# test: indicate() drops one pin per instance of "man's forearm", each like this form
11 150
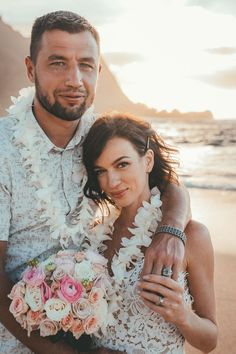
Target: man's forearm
176 206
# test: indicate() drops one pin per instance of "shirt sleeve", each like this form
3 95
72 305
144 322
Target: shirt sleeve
5 200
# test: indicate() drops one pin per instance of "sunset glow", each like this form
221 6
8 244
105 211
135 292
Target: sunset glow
166 54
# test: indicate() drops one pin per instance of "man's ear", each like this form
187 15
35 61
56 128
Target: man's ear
149 156
30 69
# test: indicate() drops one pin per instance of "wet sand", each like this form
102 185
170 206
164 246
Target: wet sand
217 210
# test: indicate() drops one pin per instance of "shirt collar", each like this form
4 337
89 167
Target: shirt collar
84 125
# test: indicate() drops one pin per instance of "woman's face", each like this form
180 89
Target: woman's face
123 174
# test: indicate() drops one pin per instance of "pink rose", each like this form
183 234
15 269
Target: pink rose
34 318
77 328
48 327
18 306
90 325
46 292
17 290
33 276
95 295
70 290
67 322
82 308
59 273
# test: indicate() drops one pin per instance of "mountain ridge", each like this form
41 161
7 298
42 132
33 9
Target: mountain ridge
14 48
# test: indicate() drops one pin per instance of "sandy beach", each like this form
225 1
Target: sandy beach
217 210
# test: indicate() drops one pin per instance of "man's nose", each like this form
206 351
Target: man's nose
74 77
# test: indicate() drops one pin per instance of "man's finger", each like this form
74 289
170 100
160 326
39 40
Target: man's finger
176 268
157 268
147 266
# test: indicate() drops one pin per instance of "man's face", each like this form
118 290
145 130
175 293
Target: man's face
65 73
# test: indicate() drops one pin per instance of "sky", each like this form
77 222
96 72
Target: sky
168 54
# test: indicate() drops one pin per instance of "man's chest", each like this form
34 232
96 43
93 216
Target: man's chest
56 180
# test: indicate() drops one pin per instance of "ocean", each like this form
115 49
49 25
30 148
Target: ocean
207 151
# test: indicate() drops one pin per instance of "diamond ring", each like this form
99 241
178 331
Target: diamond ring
166 272
160 300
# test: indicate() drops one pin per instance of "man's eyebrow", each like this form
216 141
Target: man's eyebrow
56 57
61 57
87 59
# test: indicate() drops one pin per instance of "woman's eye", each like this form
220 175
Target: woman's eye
122 164
98 172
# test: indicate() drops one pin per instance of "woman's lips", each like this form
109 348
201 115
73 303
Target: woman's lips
119 194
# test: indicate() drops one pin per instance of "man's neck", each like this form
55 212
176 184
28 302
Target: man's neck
60 132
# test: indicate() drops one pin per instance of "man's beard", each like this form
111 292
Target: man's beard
56 109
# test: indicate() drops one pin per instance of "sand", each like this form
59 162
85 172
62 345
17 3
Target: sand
217 210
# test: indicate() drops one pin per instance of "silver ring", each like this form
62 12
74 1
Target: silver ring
160 300
166 272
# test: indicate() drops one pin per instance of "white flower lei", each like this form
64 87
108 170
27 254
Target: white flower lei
32 150
145 224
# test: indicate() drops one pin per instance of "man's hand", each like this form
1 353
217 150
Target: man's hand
165 251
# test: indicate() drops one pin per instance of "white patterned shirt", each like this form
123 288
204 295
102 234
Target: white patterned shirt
20 222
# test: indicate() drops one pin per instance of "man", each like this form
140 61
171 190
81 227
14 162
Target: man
41 174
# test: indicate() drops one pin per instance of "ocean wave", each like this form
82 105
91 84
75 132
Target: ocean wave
212 186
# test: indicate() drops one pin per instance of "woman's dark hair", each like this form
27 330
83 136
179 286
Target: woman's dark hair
142 136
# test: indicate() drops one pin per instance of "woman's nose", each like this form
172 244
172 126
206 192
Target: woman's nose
113 179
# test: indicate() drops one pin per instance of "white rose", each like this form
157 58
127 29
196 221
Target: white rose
56 309
101 312
83 270
33 298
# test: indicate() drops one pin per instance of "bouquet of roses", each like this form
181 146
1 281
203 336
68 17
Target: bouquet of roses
70 292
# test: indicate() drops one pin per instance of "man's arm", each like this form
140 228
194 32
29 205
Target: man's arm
165 249
37 344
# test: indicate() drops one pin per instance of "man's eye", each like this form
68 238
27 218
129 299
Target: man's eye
58 63
86 66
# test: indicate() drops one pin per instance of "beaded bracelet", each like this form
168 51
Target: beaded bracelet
172 231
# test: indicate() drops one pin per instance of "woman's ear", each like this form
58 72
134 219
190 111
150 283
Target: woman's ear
149 157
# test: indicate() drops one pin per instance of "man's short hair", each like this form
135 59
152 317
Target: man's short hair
59 20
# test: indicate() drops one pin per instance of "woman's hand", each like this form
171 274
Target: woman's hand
164 296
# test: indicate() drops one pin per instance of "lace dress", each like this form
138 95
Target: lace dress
139 330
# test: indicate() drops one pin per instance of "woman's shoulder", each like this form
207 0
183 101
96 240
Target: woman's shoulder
198 245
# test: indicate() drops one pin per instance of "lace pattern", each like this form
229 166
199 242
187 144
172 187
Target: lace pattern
137 329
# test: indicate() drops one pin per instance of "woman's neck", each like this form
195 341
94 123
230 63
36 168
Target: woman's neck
127 214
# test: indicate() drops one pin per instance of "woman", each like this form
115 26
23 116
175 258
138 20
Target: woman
127 165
